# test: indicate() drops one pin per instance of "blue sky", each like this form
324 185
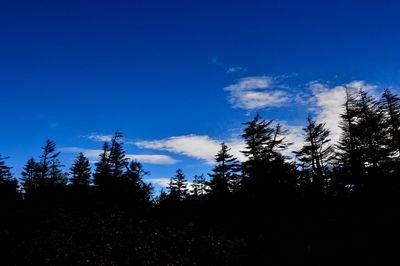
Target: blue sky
177 77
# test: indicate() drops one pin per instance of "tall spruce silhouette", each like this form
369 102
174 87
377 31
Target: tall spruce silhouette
266 167
178 186
199 186
390 104
50 166
80 172
316 153
225 176
31 177
8 184
349 146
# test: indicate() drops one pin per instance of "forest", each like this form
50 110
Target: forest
327 204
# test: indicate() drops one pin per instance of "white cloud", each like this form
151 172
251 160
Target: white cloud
161 181
295 136
100 138
235 69
256 92
144 158
200 147
329 102
152 158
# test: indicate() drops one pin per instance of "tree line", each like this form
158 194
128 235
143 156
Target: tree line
326 203
364 162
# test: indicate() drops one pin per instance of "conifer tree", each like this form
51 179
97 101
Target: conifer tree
117 159
31 176
266 166
8 184
133 182
102 175
225 177
80 172
199 186
348 147
316 152
178 186
50 166
390 105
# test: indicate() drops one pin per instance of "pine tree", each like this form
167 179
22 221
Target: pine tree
199 186
225 177
8 184
80 172
390 105
5 171
31 176
134 184
117 159
102 175
178 186
258 135
50 166
266 166
316 153
348 147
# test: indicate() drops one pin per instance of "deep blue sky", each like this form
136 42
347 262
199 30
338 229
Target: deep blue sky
158 69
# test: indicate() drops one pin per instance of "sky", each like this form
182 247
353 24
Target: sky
179 77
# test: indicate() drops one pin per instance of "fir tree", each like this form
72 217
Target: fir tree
199 186
80 172
178 186
8 184
31 176
316 153
102 175
50 166
225 177
390 105
117 159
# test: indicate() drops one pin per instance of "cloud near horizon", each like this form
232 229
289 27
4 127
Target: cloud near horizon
200 147
143 158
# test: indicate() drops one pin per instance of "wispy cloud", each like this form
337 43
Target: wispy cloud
228 69
236 69
256 92
99 137
200 147
329 102
144 158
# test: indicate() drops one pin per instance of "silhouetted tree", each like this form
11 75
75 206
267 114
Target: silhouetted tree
178 186
117 159
225 176
266 166
80 172
102 174
349 146
50 166
390 104
31 177
199 186
133 181
316 153
8 184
